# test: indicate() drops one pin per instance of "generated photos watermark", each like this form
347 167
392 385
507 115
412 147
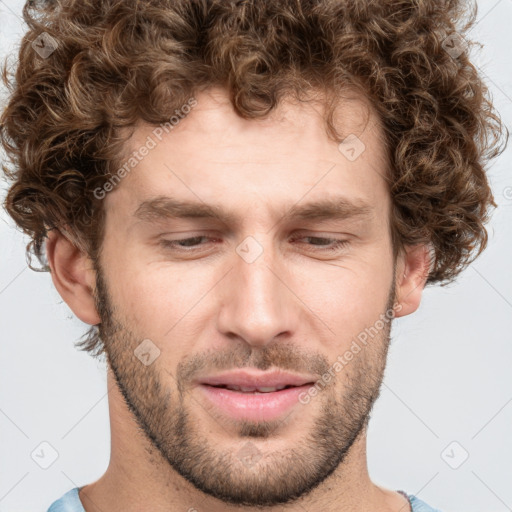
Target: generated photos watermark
343 359
151 143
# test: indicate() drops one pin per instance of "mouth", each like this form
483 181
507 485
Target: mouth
255 390
250 403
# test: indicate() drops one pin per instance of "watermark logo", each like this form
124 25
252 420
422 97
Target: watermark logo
454 45
352 147
249 249
147 352
249 454
455 455
44 455
44 44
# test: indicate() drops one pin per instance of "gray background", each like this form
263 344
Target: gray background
448 378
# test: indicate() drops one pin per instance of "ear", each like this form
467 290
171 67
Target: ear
412 272
73 275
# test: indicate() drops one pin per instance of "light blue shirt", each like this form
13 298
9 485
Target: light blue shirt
70 502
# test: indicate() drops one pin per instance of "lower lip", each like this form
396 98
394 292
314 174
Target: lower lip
252 406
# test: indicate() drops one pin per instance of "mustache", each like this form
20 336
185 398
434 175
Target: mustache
280 355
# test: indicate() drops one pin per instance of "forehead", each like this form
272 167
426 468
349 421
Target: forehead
213 153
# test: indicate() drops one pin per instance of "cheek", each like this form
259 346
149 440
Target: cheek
157 301
349 298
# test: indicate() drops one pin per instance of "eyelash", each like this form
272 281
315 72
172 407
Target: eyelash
336 243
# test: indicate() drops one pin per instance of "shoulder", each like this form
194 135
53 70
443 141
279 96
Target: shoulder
69 502
420 506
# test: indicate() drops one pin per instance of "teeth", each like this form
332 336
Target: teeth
259 389
233 388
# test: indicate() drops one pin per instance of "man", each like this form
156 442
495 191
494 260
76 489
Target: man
239 197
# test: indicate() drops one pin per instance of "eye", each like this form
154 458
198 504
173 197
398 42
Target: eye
183 243
325 244
319 244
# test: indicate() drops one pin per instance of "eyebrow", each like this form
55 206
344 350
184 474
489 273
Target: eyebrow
163 207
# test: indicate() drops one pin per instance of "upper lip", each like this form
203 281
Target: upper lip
251 378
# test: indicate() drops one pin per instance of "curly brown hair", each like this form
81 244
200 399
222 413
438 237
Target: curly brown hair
117 62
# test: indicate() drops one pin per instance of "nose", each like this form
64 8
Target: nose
257 303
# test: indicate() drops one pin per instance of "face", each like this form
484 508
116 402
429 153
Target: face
275 269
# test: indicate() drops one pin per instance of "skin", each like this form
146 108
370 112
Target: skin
298 306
